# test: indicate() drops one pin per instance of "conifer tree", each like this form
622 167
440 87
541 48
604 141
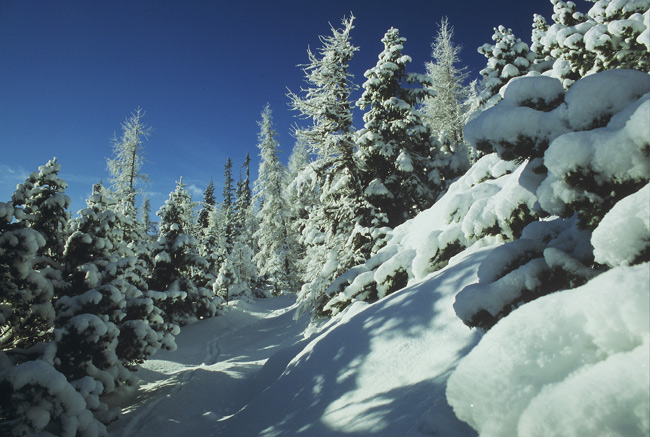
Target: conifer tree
42 204
508 57
148 225
208 205
274 258
339 230
26 311
177 261
227 218
395 145
448 108
301 193
127 160
609 36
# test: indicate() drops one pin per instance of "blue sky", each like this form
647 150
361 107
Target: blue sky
72 71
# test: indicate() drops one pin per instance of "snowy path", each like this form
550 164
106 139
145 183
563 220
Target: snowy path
377 369
214 372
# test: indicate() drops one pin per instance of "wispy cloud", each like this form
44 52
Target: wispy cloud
195 191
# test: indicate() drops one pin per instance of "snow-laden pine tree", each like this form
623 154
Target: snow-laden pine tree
612 34
41 203
177 261
396 145
275 258
207 206
227 212
302 196
128 157
448 109
92 304
148 225
245 221
508 57
339 231
26 312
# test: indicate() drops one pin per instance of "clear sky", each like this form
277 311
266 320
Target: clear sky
72 71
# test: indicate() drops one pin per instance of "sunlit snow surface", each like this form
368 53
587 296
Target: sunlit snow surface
376 369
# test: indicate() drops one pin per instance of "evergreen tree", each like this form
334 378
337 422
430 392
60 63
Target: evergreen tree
227 218
301 193
448 108
340 228
609 36
508 57
209 203
177 261
127 160
26 312
274 237
41 203
148 225
395 144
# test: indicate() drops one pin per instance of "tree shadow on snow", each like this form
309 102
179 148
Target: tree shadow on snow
323 392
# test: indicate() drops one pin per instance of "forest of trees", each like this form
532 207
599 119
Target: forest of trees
85 300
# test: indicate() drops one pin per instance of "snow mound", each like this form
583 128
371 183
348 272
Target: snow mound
570 363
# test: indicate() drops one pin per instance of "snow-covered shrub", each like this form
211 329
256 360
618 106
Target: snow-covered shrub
493 201
524 123
568 364
589 171
550 255
36 398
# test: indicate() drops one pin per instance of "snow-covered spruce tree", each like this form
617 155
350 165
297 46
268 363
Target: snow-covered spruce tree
227 212
302 195
207 206
105 280
245 221
33 395
208 238
41 203
448 109
26 312
340 230
396 146
275 258
92 304
612 34
177 262
149 226
508 57
124 167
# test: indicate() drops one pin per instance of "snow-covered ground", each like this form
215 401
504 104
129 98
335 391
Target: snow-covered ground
378 369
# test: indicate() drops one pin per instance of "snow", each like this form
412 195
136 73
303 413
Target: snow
602 95
570 363
373 370
632 214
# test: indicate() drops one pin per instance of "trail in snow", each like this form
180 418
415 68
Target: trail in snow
214 372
